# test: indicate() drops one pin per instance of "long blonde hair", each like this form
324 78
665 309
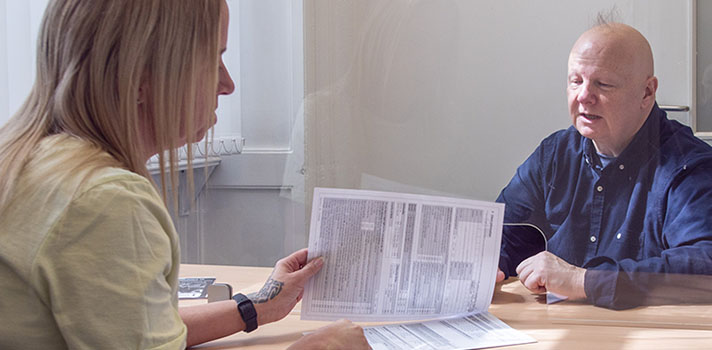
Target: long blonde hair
92 58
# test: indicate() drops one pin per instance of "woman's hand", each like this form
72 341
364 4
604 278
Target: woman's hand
285 286
341 334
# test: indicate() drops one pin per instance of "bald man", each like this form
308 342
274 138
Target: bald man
624 196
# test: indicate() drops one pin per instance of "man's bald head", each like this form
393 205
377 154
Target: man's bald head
619 42
611 86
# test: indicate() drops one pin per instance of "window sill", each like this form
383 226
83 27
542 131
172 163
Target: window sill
199 163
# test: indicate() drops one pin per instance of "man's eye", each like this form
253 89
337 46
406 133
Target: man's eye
604 85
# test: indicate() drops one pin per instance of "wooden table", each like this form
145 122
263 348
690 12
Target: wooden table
567 325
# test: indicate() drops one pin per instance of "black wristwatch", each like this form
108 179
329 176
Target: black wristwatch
247 311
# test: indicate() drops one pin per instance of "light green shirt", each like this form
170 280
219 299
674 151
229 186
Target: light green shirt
95 268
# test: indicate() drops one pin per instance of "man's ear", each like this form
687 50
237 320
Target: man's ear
651 86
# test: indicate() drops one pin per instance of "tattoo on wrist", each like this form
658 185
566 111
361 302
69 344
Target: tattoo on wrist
268 292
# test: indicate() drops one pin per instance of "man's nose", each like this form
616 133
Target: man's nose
586 95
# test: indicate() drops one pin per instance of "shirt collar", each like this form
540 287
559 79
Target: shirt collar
645 143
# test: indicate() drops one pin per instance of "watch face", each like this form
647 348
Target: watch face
247 311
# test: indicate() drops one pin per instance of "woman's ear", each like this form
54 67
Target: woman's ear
144 88
141 94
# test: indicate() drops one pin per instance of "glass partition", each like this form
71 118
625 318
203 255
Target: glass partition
450 97
704 68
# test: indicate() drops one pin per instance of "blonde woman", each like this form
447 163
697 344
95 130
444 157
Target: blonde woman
89 256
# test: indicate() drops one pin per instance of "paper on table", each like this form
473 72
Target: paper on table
470 332
194 287
391 256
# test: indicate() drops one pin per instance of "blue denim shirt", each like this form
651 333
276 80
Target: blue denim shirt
645 214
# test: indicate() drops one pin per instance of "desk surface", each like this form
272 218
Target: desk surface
567 325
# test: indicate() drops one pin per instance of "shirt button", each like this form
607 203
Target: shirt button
593 239
621 167
618 236
599 188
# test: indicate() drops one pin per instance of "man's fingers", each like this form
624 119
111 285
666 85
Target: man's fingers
523 272
534 283
537 290
500 276
530 278
522 265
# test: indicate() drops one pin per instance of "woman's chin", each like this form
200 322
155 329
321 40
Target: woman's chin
199 135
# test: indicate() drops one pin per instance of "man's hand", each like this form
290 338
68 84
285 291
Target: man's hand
284 287
341 334
500 276
547 272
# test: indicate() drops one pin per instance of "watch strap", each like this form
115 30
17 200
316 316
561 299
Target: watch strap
247 311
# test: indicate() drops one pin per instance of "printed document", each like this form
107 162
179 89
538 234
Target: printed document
396 257
476 331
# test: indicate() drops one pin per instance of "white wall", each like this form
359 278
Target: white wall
19 24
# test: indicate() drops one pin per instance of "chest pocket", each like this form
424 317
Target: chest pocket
626 244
